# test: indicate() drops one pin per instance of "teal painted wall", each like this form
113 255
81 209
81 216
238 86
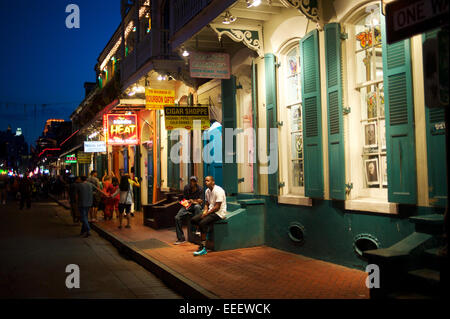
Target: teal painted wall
330 230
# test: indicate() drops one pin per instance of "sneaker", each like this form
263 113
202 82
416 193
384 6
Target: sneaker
179 242
201 252
198 233
132 214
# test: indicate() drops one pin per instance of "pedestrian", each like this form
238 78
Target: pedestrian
96 195
126 198
112 203
84 203
192 206
3 188
73 199
25 189
215 209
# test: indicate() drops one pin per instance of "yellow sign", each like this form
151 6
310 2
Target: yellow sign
184 117
84 158
156 99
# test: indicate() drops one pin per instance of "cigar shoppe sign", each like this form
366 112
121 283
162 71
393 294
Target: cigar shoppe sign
121 129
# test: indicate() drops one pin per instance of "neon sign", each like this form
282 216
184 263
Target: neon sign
71 159
122 129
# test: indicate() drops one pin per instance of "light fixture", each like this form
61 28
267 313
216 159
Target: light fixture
185 53
228 18
253 3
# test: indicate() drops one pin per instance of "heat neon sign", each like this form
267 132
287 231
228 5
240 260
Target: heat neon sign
122 129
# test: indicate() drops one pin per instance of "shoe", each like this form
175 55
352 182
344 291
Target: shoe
120 227
178 242
201 252
86 235
127 226
132 214
198 233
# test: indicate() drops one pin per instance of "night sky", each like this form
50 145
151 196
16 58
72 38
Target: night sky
43 62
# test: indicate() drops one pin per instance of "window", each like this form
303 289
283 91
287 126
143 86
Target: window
366 137
291 114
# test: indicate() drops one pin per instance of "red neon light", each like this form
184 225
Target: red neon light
69 137
122 129
49 149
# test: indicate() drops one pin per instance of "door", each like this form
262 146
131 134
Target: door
150 173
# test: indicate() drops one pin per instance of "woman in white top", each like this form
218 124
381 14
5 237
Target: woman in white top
126 198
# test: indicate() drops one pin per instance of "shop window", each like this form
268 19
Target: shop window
366 135
291 114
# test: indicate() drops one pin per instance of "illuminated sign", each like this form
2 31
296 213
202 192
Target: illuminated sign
122 129
210 65
94 146
71 159
184 117
157 99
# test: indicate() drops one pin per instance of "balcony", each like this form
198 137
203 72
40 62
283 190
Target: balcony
184 11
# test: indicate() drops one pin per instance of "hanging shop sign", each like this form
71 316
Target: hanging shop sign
121 129
94 146
71 159
184 117
210 65
405 18
84 158
156 99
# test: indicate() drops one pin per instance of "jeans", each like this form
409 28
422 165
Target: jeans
84 219
203 223
182 213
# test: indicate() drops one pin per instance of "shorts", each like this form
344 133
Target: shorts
124 208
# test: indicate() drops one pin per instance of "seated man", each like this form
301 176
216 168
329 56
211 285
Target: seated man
193 194
215 209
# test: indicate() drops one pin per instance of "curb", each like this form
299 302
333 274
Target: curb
184 286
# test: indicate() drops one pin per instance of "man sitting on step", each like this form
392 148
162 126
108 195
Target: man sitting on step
193 198
215 209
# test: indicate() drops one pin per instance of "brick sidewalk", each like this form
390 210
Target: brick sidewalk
259 272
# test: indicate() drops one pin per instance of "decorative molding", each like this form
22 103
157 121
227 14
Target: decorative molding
310 8
249 35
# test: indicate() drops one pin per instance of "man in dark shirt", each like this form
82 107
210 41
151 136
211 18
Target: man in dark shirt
194 195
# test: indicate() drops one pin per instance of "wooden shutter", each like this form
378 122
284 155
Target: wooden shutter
437 170
336 152
230 176
271 113
399 110
254 111
312 126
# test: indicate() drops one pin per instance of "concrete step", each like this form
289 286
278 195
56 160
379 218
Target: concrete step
425 280
232 206
429 224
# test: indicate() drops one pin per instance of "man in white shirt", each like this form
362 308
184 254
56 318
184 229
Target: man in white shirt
215 209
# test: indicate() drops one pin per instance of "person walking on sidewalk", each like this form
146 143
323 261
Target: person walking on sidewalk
96 195
3 188
193 198
112 204
215 209
73 199
126 198
84 202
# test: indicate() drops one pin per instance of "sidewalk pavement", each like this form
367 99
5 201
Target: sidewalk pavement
259 272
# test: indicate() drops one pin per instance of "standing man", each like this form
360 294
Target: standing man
97 197
215 209
194 196
84 202
25 189
73 188
3 188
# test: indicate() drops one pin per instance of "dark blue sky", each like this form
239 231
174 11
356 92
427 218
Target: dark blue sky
41 61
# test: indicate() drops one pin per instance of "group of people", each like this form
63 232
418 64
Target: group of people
22 189
205 208
88 194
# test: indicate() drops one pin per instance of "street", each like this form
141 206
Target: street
37 244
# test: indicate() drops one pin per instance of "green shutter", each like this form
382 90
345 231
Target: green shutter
336 152
271 113
399 110
312 125
254 111
173 169
230 171
437 170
